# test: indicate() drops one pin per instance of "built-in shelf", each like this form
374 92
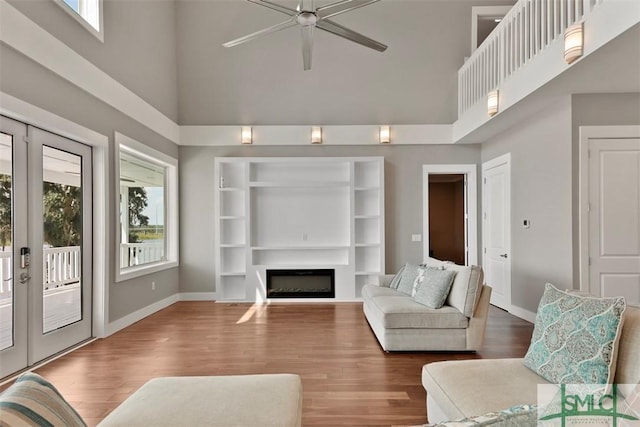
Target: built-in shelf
232 273
296 247
288 213
299 184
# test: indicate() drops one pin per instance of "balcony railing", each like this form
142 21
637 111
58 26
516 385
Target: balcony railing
62 266
132 254
528 28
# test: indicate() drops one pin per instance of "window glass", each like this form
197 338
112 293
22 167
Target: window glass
142 211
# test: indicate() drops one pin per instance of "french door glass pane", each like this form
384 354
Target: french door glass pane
62 224
6 255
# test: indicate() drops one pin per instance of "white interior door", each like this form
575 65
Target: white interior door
614 218
45 211
496 206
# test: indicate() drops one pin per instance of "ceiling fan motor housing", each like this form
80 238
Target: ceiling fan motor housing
307 19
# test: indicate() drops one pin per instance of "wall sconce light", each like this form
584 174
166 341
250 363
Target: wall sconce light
573 40
492 102
316 135
247 135
385 134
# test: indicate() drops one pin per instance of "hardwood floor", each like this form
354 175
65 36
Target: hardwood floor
347 378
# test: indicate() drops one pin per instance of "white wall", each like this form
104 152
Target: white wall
139 48
541 191
403 198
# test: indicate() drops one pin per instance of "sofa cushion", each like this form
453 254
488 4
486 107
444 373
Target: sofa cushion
463 388
466 286
516 416
432 286
234 400
400 311
372 291
34 401
575 338
407 279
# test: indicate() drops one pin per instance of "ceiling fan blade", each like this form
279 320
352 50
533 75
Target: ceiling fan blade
275 6
307 46
348 34
341 7
281 26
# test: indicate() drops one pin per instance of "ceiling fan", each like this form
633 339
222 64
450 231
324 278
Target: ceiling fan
309 18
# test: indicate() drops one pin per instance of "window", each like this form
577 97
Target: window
147 200
86 12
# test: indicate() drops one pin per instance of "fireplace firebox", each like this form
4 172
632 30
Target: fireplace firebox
301 283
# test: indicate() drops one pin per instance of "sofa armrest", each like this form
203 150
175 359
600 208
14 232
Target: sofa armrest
478 322
385 279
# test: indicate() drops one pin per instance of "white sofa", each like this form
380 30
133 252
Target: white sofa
464 388
401 324
269 400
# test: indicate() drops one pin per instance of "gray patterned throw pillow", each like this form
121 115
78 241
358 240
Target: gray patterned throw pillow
432 286
409 273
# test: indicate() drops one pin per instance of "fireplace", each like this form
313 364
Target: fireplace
301 283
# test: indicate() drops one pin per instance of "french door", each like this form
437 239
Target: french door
45 244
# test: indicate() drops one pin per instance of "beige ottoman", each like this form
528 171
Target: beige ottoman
238 400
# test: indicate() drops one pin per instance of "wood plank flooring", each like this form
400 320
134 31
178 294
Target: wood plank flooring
347 379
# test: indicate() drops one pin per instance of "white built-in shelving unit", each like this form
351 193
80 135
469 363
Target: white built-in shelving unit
298 213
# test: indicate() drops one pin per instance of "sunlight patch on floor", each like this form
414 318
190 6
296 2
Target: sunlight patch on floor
255 310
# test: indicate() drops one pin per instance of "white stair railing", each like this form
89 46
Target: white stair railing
528 28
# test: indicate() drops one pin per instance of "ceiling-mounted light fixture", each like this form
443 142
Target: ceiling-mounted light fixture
246 135
385 134
492 102
573 41
316 135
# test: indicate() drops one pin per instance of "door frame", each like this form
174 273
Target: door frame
471 172
22 111
586 134
490 164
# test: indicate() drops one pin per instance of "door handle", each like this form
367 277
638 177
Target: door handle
503 255
24 277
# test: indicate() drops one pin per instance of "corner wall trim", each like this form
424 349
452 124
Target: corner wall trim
138 315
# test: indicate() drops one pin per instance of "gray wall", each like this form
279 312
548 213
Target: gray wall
262 82
541 191
32 83
139 48
595 110
403 198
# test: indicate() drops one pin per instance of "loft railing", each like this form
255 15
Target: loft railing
528 28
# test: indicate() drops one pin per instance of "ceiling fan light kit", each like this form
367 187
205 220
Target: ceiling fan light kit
309 17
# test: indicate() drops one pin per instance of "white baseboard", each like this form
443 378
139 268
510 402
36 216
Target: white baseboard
197 296
527 315
132 318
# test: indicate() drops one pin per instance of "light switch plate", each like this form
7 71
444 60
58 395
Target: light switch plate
416 237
